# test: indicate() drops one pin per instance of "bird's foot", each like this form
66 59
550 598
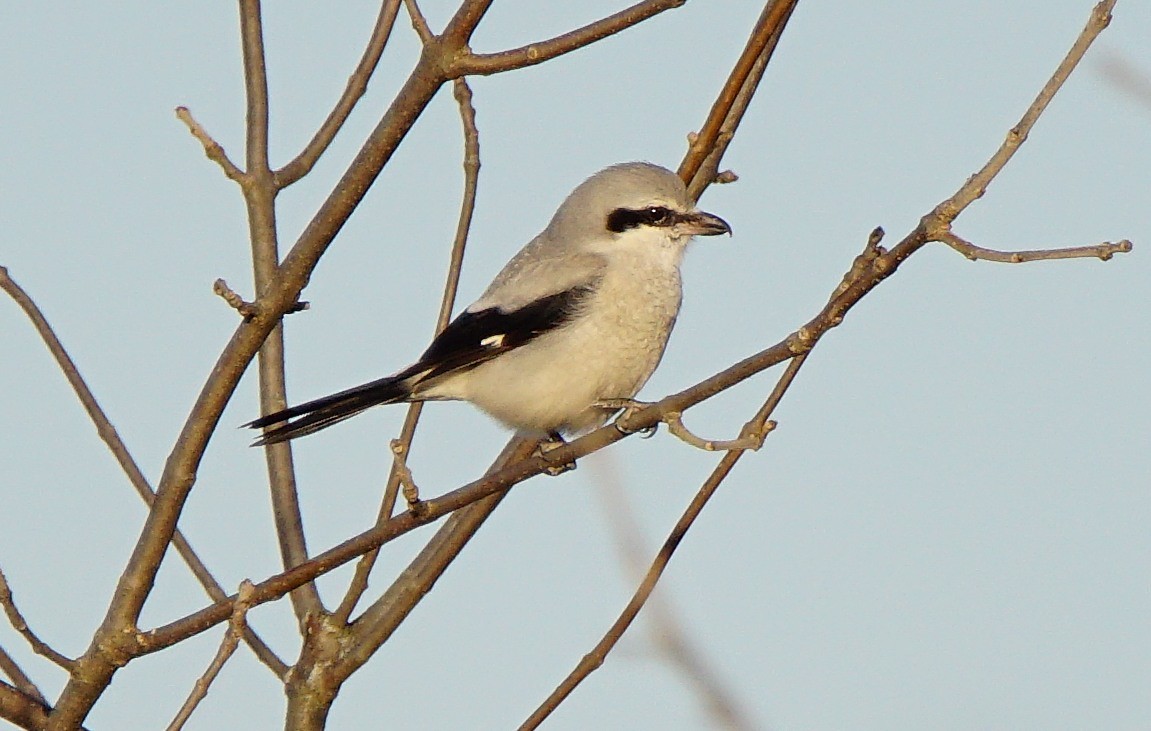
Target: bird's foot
629 406
552 442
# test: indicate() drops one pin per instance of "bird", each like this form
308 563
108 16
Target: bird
574 323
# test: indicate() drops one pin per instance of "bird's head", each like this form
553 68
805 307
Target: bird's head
634 203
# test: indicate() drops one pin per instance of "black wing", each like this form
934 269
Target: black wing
475 337
469 340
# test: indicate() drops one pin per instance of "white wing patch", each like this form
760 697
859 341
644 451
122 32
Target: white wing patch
493 341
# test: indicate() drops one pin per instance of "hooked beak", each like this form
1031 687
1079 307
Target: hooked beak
700 223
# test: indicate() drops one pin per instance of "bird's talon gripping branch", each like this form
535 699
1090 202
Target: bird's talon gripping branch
630 407
554 441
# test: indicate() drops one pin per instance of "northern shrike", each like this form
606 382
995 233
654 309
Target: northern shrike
580 316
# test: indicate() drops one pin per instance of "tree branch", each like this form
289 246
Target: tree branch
868 270
260 198
21 626
22 709
471 164
357 85
699 166
212 149
227 648
594 659
1103 251
22 682
115 444
535 53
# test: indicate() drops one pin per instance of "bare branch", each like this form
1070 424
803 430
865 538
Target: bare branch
671 638
977 184
1103 251
354 90
535 53
750 438
228 644
868 271
594 659
17 621
235 301
260 196
22 709
471 164
111 438
22 682
212 149
699 166
419 22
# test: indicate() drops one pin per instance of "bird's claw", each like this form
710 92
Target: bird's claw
629 406
552 442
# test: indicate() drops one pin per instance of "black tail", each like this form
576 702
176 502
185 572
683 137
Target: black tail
323 412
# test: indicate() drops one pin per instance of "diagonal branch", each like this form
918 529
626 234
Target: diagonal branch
357 85
115 444
536 53
1103 251
699 167
19 678
22 709
594 659
16 619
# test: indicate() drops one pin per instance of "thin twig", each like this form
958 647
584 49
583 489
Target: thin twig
977 184
115 444
234 300
535 53
357 85
419 22
699 166
471 165
1103 251
228 645
595 658
20 680
751 440
17 621
214 150
671 638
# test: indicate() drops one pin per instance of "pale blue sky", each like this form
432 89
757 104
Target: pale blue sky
949 530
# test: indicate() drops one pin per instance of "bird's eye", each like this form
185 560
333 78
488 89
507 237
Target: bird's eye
657 215
621 219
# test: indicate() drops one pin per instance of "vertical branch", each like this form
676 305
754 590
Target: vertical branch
260 196
463 95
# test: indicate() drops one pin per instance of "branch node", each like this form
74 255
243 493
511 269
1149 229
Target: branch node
727 176
407 482
246 309
751 436
554 467
212 149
